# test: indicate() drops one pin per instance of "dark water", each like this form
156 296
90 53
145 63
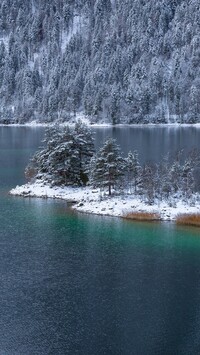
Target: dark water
152 143
78 284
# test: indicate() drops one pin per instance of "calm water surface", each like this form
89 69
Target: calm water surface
78 284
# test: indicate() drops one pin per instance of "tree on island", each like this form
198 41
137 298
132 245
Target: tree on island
66 155
133 170
107 166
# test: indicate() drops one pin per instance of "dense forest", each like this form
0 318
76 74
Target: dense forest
115 61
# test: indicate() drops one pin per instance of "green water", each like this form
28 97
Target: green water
82 284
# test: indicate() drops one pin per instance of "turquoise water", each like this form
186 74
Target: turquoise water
81 284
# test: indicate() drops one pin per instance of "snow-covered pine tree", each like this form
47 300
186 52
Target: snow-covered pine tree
108 166
85 145
148 182
175 175
66 155
188 181
163 187
133 169
82 150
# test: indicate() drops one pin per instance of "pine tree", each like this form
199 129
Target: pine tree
148 182
188 181
133 169
175 174
163 187
107 167
66 155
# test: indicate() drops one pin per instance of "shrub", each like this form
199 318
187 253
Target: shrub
143 216
192 219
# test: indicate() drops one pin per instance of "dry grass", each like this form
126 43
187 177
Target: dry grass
189 219
142 216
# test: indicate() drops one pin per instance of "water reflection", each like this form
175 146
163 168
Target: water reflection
152 143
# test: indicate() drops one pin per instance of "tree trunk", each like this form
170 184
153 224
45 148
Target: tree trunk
109 189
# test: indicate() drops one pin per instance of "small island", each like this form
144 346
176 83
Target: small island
107 183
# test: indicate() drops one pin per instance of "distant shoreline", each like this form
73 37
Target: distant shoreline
84 119
88 200
105 125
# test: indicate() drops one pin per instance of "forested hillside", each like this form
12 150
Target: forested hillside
118 61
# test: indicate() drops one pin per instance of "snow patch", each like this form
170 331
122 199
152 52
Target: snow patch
32 62
5 40
67 35
33 7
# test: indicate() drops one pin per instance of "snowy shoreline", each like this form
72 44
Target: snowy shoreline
35 124
86 120
88 200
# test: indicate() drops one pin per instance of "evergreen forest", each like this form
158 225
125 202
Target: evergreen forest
131 61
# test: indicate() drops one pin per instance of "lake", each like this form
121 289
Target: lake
82 284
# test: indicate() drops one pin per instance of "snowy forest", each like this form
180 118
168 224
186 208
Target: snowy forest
115 61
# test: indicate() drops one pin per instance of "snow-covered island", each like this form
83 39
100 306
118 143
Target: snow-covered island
107 183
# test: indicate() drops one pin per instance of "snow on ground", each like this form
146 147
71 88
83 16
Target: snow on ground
89 200
79 117
88 121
